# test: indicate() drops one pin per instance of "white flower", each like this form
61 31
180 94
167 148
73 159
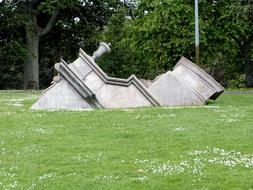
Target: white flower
76 19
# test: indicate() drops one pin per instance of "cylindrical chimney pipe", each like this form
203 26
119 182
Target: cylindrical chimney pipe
103 48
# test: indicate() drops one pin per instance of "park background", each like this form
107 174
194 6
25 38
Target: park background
147 38
193 147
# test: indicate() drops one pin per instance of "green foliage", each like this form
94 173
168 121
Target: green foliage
160 32
79 25
226 27
12 48
120 62
238 82
147 37
153 37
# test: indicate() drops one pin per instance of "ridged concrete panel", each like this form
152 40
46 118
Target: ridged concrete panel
170 91
214 85
113 96
195 81
80 69
94 82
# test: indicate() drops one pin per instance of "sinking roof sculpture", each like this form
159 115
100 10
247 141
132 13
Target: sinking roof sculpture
83 85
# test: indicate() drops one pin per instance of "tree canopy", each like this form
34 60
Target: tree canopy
160 32
50 28
147 37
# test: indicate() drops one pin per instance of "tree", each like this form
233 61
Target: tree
12 49
30 11
160 32
156 35
78 27
227 32
147 37
40 16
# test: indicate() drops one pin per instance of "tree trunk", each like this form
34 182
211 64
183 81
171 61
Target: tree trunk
31 65
249 58
33 34
245 50
31 60
249 72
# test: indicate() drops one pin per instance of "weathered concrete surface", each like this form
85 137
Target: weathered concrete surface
114 96
84 85
187 84
213 87
169 90
61 96
91 85
116 92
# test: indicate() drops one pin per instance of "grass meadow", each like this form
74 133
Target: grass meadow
204 147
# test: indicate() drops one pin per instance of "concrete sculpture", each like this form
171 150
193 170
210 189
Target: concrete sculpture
83 85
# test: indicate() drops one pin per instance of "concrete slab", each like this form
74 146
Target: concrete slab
213 84
60 96
170 91
114 96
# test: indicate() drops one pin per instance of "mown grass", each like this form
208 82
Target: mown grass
207 147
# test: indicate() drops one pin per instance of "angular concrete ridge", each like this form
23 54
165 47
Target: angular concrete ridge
186 85
83 85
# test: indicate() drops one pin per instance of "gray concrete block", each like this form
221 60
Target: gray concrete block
60 96
170 91
80 69
213 84
94 82
196 82
114 96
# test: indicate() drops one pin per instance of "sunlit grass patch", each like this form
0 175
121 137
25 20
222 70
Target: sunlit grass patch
202 147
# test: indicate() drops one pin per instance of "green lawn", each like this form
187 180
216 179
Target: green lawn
207 147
